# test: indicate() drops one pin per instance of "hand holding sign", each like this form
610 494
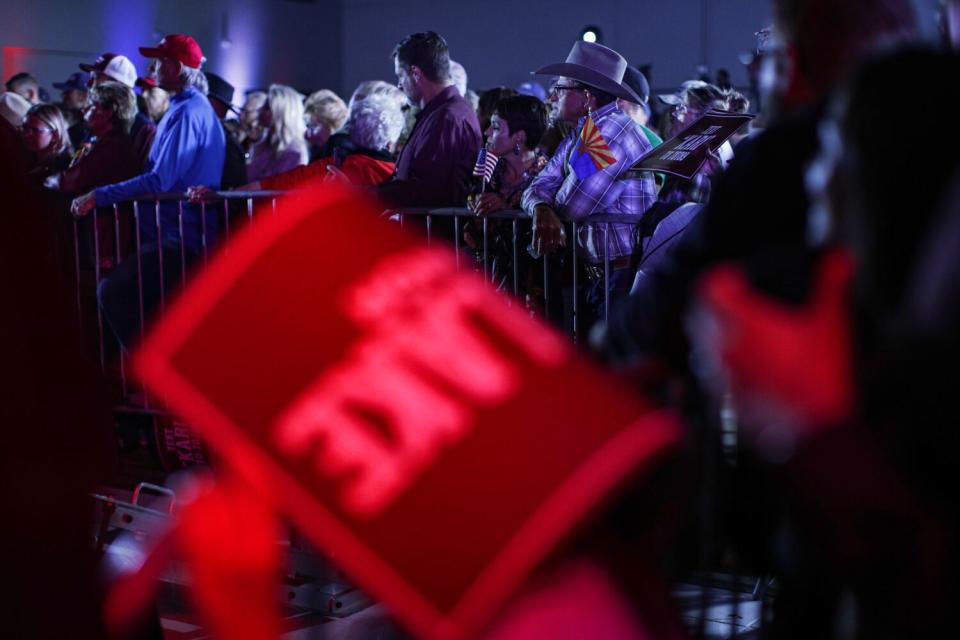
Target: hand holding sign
684 154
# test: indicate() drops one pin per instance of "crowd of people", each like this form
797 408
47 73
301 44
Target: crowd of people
412 144
810 274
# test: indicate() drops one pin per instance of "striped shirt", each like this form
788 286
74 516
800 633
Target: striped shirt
604 192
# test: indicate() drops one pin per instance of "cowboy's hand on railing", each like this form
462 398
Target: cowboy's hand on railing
81 205
548 233
199 194
485 203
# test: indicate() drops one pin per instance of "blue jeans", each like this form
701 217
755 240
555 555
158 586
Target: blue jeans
119 293
590 300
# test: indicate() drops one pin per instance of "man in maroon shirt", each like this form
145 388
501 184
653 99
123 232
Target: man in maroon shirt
435 166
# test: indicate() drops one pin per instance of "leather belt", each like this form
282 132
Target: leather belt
595 271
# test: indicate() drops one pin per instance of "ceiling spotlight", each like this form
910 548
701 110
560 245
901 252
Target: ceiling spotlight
591 34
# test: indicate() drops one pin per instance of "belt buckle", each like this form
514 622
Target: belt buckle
593 271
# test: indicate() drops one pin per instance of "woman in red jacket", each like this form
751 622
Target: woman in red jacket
365 159
375 125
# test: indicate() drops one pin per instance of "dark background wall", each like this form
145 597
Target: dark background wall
250 42
501 41
337 43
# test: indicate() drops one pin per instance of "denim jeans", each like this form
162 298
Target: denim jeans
119 293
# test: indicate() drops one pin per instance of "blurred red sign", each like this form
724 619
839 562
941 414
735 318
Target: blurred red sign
431 438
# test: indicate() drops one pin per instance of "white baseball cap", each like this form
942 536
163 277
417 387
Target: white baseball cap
122 70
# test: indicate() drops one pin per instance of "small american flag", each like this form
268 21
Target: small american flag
486 163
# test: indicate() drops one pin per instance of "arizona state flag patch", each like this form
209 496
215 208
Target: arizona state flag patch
592 153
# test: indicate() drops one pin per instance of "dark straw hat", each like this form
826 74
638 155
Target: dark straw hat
595 66
221 90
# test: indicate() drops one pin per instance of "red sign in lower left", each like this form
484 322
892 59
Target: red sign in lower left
424 432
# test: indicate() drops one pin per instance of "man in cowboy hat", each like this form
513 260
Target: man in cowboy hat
586 91
220 96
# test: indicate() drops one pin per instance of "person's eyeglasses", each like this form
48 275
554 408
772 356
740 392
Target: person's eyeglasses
557 88
35 130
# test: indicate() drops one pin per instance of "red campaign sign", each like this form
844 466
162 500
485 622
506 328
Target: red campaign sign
432 439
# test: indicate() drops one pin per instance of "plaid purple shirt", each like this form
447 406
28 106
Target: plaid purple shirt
603 192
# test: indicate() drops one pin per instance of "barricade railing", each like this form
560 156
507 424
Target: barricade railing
168 227
519 250
180 231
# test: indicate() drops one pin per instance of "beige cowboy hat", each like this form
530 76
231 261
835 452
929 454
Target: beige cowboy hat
596 66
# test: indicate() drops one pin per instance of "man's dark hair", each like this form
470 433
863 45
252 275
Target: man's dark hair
603 98
426 50
553 136
20 79
524 113
489 100
703 96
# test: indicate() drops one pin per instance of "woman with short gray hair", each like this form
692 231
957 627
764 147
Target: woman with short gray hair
365 89
376 123
377 87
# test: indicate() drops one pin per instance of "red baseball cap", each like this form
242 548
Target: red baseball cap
178 47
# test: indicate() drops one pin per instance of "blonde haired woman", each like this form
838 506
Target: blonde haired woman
284 146
325 113
45 136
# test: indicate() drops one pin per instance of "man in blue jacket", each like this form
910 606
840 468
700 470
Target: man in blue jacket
188 150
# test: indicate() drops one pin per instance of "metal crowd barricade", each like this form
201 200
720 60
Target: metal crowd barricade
521 222
109 236
122 224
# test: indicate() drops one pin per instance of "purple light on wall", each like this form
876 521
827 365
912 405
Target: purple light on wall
129 25
238 55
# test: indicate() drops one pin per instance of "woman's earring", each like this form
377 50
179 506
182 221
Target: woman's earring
516 148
